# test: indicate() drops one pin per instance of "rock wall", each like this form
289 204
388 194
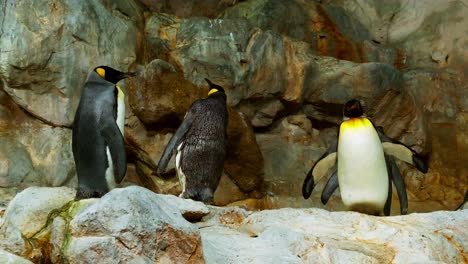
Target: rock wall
287 67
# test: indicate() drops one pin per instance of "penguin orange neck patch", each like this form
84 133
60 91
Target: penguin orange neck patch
355 123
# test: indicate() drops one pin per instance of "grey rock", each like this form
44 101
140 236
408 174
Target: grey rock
15 162
183 8
35 154
319 236
286 164
412 25
8 258
47 54
29 209
135 223
27 214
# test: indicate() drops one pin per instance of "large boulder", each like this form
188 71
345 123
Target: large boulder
133 224
46 225
27 215
35 154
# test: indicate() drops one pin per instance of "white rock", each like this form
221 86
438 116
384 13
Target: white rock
133 223
27 214
319 236
29 210
8 258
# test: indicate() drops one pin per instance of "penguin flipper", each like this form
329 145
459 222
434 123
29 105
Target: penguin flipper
462 205
175 141
401 151
115 141
388 203
395 176
320 168
330 187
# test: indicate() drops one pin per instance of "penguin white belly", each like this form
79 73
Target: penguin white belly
120 110
362 172
180 173
111 184
120 120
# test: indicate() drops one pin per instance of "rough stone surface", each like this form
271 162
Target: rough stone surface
8 258
181 8
47 54
135 224
27 214
34 154
406 60
318 236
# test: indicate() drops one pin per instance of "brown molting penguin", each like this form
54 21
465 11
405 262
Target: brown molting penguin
200 142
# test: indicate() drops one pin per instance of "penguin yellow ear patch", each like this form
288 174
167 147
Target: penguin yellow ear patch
101 72
212 91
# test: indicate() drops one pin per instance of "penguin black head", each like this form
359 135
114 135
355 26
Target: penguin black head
112 75
352 108
214 88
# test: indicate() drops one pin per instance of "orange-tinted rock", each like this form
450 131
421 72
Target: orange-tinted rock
184 8
244 161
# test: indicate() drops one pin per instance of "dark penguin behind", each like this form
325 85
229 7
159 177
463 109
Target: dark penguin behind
200 142
95 129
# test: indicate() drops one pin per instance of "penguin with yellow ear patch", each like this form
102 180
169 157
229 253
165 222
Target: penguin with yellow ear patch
364 157
200 143
97 135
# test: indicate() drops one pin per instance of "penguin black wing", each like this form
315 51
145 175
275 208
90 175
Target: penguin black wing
463 205
330 187
115 141
320 168
401 151
177 138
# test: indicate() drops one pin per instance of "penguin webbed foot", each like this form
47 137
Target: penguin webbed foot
83 192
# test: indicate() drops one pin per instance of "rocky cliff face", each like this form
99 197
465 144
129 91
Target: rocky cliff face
287 67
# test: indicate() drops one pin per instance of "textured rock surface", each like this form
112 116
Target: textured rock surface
27 214
406 60
126 224
133 224
62 36
8 258
318 236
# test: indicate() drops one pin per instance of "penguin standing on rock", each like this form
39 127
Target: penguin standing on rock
97 137
200 142
365 166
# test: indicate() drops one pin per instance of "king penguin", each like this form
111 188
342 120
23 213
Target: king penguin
362 164
200 143
97 136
